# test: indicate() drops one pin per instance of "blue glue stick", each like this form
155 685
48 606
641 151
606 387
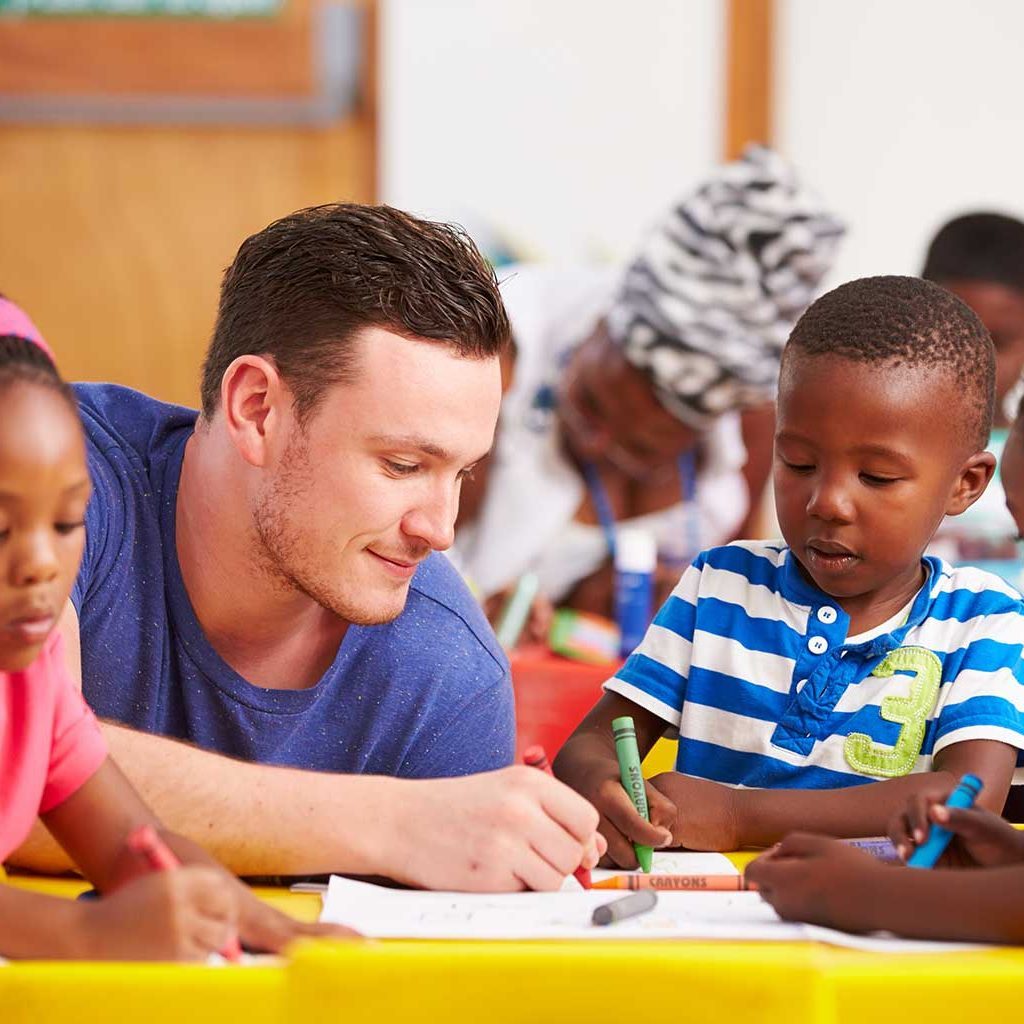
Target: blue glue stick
938 839
636 557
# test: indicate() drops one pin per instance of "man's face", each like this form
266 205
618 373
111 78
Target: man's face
370 486
1001 309
608 412
866 462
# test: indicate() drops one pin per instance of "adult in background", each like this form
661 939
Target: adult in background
644 398
288 671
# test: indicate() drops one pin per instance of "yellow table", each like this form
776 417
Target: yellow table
498 982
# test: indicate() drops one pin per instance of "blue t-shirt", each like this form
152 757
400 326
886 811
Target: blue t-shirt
426 695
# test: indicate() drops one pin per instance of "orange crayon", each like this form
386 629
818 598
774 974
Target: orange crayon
678 883
535 757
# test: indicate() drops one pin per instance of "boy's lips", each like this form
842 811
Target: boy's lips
830 555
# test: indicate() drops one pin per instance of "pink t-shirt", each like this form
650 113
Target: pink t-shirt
50 742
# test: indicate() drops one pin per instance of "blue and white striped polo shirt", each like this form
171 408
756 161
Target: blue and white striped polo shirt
750 663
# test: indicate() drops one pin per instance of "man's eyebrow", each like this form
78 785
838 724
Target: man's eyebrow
414 442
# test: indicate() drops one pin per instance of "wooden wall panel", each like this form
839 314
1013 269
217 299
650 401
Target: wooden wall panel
115 239
749 81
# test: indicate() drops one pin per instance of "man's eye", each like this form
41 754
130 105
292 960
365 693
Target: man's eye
401 468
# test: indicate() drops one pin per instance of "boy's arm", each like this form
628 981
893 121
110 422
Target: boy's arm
814 879
587 762
764 816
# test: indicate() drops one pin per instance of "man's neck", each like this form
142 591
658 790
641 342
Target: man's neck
268 632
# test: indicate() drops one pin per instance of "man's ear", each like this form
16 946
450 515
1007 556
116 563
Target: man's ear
974 477
252 394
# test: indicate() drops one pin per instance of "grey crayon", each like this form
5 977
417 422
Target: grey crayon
629 906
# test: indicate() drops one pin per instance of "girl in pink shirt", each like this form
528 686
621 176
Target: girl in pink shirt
53 760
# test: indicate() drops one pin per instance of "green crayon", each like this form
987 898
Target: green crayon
632 777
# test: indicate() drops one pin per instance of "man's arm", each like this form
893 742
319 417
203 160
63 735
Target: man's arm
511 829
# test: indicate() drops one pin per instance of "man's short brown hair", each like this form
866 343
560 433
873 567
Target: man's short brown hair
302 287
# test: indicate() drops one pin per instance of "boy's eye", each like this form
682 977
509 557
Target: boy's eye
877 481
798 467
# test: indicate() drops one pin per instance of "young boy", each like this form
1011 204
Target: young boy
979 257
817 683
811 878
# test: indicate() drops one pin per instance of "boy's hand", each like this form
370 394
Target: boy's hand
705 816
981 838
599 781
818 880
184 914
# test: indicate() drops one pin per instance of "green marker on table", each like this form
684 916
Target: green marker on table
632 776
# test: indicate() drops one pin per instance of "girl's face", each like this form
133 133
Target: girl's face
44 488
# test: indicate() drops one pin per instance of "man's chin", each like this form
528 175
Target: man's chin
374 613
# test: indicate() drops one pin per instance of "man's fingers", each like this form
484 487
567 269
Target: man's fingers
575 814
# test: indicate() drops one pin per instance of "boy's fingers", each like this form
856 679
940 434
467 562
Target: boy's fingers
802 844
619 849
617 807
662 812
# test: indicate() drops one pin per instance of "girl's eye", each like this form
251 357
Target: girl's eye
66 528
798 467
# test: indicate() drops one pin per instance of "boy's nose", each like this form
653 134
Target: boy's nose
828 502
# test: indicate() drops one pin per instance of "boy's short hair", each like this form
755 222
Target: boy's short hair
905 321
302 287
978 247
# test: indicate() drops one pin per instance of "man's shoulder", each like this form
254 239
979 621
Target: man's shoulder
117 417
440 605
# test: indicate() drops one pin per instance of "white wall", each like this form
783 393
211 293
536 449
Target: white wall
903 113
565 124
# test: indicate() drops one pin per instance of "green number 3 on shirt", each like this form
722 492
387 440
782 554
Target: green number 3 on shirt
911 713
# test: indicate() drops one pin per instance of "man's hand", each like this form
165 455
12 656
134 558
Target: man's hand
500 831
818 880
981 838
705 817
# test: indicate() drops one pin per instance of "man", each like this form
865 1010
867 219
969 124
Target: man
259 582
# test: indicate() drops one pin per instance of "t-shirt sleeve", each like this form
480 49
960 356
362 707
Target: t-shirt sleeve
654 676
78 748
985 699
104 519
479 736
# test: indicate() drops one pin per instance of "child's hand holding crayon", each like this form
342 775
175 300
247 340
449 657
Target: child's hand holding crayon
981 838
819 880
707 817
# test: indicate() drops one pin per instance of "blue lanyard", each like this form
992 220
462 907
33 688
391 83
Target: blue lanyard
687 463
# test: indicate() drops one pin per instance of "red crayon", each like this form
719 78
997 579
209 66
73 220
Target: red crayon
535 757
159 856
679 883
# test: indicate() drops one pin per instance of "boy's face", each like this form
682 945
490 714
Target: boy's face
1012 476
1001 309
44 488
868 460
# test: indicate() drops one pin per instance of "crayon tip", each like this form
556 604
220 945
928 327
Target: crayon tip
644 856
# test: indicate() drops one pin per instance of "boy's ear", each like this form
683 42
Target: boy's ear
974 476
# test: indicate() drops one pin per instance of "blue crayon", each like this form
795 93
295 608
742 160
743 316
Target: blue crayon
938 839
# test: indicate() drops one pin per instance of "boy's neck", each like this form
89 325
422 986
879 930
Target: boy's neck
868 611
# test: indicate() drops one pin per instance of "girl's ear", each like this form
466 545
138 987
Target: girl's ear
974 477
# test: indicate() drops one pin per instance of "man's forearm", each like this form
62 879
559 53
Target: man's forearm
256 819
764 816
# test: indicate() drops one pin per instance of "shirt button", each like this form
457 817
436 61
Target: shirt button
800 685
827 615
817 645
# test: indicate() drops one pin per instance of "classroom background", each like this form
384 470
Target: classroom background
136 151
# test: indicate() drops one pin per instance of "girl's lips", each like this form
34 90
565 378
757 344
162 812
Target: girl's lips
31 629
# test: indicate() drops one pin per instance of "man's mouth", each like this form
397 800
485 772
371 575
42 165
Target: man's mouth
401 568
